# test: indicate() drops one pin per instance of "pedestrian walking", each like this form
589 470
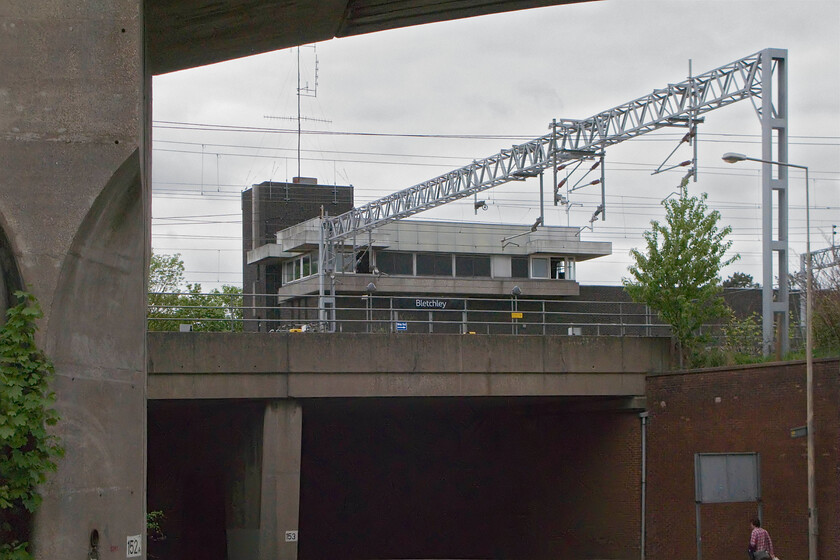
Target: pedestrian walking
761 546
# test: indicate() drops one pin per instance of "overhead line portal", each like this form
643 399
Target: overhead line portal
760 77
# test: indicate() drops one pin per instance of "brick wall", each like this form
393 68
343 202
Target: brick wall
281 205
746 409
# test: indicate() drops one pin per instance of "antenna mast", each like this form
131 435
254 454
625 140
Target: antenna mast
303 91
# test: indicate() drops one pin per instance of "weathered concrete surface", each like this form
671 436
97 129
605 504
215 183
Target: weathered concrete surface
198 352
315 385
281 365
280 490
72 213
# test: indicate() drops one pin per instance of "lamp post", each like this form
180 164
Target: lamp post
731 157
370 289
515 292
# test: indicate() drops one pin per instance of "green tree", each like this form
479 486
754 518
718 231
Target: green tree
740 280
27 450
166 276
826 306
172 302
678 275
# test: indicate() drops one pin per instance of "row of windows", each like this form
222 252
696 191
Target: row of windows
471 266
300 267
435 264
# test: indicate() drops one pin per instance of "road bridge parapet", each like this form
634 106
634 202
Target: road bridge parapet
312 365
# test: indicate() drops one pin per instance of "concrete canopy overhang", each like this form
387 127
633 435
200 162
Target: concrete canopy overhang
184 34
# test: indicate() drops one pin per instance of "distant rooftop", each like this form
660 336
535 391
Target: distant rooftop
455 237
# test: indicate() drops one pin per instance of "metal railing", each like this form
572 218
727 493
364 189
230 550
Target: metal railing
421 314
394 314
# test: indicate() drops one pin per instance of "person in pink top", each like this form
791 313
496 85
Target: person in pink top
761 546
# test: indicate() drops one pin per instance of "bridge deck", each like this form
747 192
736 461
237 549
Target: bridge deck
309 365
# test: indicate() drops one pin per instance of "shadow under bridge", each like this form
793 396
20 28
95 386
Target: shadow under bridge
309 445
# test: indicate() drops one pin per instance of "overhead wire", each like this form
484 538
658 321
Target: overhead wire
499 198
178 125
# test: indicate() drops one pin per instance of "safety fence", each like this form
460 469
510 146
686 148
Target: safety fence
384 313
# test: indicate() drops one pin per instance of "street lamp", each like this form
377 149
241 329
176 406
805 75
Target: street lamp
515 292
732 157
370 289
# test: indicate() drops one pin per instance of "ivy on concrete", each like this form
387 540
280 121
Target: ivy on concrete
28 451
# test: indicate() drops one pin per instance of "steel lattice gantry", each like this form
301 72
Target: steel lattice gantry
760 77
823 258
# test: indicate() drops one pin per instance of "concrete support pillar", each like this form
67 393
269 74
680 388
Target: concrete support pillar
74 218
280 499
243 487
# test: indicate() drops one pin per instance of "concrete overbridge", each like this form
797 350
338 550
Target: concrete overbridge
310 445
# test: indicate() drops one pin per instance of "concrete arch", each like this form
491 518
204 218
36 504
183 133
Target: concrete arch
103 269
96 333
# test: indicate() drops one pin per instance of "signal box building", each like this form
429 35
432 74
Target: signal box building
429 276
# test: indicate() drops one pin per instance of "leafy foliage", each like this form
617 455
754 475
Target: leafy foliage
678 275
15 551
27 450
166 273
740 280
171 305
154 525
743 339
826 319
826 309
826 306
154 531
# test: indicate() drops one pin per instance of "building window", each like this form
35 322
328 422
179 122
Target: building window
393 262
299 267
472 266
539 268
519 267
310 265
434 264
363 261
345 262
558 268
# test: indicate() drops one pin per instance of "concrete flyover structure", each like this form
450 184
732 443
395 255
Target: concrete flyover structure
275 428
186 366
74 207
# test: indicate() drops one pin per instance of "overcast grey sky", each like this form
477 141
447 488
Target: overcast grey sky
509 75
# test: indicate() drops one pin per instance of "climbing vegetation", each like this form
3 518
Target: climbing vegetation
28 451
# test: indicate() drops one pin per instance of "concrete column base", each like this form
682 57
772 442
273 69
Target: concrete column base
280 495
